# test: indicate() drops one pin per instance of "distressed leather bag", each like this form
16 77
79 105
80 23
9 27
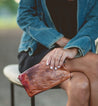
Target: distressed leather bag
40 77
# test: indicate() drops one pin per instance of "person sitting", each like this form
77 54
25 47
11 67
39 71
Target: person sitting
61 30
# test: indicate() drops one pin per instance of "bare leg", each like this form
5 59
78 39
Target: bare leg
89 66
77 89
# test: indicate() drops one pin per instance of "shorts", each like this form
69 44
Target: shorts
26 61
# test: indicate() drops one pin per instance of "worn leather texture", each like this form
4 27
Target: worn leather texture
40 77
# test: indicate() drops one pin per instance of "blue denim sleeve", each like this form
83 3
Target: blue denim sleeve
85 38
29 21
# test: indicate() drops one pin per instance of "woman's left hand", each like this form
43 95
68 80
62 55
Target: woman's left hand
57 56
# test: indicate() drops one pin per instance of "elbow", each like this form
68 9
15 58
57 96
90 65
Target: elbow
21 19
21 23
18 21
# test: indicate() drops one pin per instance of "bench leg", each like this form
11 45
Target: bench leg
12 93
12 96
33 101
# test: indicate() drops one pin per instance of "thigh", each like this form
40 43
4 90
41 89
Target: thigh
87 64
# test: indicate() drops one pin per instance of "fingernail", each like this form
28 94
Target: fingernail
59 66
55 68
51 67
47 63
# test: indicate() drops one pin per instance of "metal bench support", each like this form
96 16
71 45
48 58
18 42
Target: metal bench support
13 96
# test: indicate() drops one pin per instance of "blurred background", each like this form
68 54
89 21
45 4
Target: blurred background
10 35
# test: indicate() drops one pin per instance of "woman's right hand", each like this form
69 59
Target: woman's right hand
61 42
56 58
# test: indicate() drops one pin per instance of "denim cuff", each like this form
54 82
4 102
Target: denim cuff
83 44
45 36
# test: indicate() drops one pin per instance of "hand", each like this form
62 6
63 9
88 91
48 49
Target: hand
57 56
62 42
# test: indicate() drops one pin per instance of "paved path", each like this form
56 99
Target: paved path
9 40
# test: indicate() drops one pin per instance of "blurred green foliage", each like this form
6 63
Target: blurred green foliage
11 5
8 11
9 23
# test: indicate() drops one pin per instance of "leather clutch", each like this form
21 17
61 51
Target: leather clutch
40 77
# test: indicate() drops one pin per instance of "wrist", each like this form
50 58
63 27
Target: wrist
74 50
62 42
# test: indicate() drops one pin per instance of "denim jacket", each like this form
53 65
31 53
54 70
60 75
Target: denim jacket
34 19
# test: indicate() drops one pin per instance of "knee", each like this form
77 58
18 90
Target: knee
79 88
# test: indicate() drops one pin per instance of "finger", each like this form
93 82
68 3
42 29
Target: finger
45 58
49 55
57 60
55 56
62 59
52 62
48 60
